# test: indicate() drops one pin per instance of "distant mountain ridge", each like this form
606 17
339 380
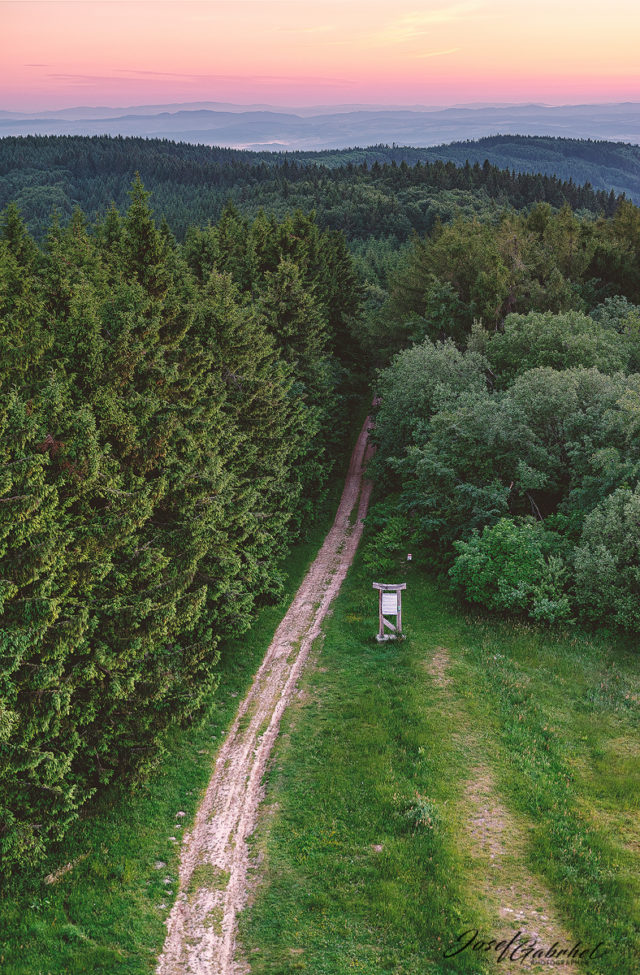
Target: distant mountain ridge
262 126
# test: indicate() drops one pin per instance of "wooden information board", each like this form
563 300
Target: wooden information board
389 604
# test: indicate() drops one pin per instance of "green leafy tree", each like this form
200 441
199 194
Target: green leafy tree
408 390
558 341
511 566
607 560
158 428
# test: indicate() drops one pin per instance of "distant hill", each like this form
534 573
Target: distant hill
605 165
263 127
380 191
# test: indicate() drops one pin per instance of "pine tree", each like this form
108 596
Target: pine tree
162 419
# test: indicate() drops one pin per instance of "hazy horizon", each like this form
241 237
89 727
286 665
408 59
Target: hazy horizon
319 108
270 127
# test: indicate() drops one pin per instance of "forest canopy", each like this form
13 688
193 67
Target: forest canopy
507 430
168 420
378 192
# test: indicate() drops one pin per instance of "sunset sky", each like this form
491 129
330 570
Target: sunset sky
119 52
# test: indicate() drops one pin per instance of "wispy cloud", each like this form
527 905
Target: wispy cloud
419 23
437 54
82 79
141 76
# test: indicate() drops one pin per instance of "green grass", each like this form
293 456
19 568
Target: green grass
206 875
105 915
368 865
568 715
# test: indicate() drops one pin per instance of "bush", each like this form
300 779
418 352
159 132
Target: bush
607 560
422 813
512 566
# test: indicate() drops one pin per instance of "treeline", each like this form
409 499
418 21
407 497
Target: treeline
362 197
543 260
167 421
508 448
603 165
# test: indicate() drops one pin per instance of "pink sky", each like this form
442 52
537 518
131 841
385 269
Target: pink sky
126 52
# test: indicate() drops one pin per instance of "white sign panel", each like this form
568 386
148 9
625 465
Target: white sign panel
389 604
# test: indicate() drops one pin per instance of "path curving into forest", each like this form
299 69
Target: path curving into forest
202 925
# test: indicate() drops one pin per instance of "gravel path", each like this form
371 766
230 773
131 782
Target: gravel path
201 934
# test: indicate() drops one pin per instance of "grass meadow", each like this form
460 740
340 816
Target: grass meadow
479 775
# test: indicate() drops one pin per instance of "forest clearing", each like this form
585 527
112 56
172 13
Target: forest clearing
475 777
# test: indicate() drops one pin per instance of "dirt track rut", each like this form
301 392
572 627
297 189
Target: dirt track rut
201 935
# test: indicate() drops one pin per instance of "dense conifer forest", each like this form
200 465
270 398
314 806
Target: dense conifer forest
380 192
175 384
168 420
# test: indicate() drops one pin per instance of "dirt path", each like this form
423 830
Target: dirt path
214 858
517 899
513 898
